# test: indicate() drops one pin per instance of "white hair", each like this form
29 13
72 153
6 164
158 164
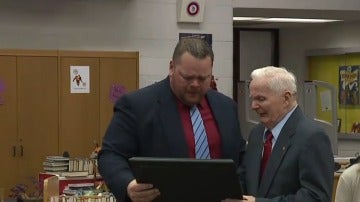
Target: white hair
278 78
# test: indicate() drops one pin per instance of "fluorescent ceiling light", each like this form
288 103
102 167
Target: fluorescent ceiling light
247 18
299 20
294 20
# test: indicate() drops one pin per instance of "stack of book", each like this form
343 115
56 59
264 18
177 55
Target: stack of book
56 164
79 189
100 198
82 165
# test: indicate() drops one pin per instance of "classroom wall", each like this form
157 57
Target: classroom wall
326 68
297 43
148 26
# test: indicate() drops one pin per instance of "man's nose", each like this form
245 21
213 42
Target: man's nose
254 105
195 82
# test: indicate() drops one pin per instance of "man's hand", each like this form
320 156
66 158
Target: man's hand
249 198
245 199
141 192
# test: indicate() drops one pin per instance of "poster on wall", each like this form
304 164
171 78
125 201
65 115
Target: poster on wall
116 91
349 85
79 79
2 92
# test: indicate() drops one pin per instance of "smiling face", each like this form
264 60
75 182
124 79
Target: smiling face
271 106
190 78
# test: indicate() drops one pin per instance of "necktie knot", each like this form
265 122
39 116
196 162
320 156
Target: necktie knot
268 136
192 110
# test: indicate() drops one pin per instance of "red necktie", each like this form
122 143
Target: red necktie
267 151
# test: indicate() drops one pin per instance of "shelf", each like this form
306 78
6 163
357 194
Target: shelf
349 136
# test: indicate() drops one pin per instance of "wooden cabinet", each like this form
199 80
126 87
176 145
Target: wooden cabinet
112 71
8 122
79 120
29 116
37 111
85 117
38 114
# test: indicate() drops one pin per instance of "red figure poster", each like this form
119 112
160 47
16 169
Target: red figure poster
349 85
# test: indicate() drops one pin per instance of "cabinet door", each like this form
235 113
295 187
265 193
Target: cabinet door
119 71
38 115
79 112
8 123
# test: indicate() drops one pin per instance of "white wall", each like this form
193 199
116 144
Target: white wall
148 26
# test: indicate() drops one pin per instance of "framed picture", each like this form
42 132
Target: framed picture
338 125
349 85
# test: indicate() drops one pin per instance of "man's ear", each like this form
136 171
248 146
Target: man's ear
287 96
171 64
171 68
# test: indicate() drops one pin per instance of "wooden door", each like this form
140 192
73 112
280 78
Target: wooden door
115 74
38 112
79 112
8 123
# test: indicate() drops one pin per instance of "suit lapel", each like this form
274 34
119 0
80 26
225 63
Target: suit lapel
253 161
281 147
257 160
279 151
171 123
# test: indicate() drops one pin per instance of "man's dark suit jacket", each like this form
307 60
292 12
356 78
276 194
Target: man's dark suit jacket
147 123
301 166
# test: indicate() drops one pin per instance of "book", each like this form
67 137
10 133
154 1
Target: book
57 158
74 174
76 186
55 164
55 168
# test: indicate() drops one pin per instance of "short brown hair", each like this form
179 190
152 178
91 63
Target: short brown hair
198 48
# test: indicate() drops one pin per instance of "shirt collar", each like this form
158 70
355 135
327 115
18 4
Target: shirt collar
200 105
277 129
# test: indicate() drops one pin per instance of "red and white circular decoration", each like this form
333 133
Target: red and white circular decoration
193 8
